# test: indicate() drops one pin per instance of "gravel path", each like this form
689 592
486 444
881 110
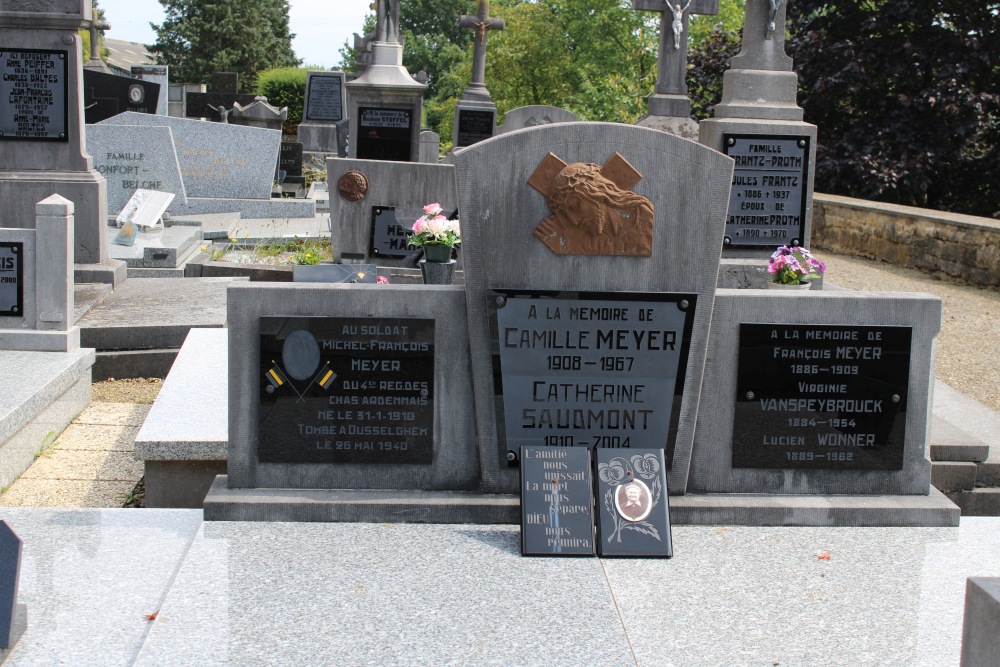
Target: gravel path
968 349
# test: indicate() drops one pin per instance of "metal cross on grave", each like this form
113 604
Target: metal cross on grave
481 23
670 96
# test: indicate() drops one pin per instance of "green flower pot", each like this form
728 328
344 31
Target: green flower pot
437 253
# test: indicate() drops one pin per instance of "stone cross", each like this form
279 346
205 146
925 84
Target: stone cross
670 95
763 45
481 23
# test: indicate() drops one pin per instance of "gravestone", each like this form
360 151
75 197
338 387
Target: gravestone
132 157
36 281
13 616
216 160
430 147
324 106
219 100
981 622
385 102
557 502
760 125
588 270
475 113
633 515
533 116
258 114
159 74
669 106
107 95
359 189
290 158
42 142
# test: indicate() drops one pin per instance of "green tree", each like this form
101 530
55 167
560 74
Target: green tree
199 37
906 94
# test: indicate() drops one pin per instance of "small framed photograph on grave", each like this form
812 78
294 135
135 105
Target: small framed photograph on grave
557 503
633 514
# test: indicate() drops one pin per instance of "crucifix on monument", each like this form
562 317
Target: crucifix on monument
475 114
670 98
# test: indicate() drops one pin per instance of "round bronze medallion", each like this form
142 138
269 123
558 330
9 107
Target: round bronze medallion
353 186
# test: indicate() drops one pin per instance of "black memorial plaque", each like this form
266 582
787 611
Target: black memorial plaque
11 279
34 94
107 95
590 369
557 505
474 126
821 397
388 238
346 390
384 134
290 158
633 515
326 99
767 203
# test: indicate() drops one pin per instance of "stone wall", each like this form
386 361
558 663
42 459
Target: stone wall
950 246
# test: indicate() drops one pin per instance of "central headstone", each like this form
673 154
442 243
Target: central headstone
475 113
325 105
568 353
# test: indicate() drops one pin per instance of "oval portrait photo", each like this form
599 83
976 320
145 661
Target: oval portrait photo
633 500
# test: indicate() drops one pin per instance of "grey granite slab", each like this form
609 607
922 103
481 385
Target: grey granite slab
213 225
189 419
463 596
760 596
24 394
155 313
383 594
217 159
163 248
89 577
132 157
249 208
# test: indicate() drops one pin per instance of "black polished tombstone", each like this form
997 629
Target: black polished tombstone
290 158
557 503
633 514
590 369
11 279
821 397
385 134
13 616
389 239
107 95
474 126
34 95
346 390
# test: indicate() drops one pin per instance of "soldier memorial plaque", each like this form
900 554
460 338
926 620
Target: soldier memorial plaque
767 203
474 126
346 390
11 279
388 238
633 516
821 397
33 94
557 508
325 98
384 134
591 369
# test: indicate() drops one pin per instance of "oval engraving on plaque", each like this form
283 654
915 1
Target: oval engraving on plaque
300 353
353 186
633 500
